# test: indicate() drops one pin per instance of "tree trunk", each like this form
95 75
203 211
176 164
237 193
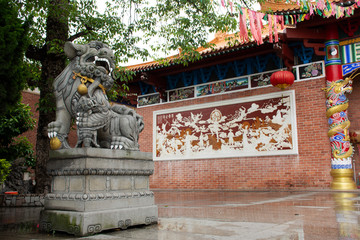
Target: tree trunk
53 62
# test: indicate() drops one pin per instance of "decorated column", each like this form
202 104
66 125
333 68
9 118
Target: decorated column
337 104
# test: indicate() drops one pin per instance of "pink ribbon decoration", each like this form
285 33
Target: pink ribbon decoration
321 4
282 22
270 28
275 30
252 24
242 26
258 22
311 9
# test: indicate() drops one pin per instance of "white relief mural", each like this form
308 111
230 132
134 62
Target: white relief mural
264 125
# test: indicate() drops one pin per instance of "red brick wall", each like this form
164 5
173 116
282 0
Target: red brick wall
310 169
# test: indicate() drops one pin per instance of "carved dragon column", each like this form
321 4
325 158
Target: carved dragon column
337 104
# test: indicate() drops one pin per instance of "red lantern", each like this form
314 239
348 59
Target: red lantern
282 79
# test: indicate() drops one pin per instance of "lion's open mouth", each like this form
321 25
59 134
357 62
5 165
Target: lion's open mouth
101 62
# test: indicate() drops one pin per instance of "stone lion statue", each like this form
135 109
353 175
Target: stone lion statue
80 92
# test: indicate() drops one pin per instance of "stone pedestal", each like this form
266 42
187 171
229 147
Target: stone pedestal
98 189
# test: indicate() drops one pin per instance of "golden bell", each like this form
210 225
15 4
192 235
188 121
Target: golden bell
55 143
82 89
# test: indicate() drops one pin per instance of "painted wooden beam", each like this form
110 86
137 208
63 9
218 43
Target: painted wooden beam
304 33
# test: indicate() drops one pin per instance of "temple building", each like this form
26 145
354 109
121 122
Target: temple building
219 123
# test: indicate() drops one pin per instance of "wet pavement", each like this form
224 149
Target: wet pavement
205 215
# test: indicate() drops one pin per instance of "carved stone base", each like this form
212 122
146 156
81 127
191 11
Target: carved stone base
98 189
88 223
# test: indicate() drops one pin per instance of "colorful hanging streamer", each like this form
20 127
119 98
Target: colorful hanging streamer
255 19
326 9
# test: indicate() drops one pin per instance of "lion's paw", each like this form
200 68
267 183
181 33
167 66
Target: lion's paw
116 143
53 129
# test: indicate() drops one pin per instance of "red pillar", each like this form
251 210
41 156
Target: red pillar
337 104
332 58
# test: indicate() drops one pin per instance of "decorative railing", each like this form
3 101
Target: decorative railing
302 72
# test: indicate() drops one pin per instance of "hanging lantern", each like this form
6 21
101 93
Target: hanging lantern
282 79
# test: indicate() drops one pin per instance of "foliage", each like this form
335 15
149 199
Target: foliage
131 27
13 123
4 170
13 43
34 73
22 148
123 76
15 118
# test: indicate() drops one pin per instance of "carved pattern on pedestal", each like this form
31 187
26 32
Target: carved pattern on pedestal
97 196
124 224
94 228
99 171
46 226
74 229
150 220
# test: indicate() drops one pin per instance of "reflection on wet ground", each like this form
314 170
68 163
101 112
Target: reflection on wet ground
223 215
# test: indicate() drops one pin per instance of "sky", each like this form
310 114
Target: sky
101 8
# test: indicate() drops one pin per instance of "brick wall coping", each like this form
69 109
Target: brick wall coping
22 200
255 190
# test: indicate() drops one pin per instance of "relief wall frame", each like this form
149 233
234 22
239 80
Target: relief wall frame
177 131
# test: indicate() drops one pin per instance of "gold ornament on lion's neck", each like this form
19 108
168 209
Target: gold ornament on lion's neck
82 89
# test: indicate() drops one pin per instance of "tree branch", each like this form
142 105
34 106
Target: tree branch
80 34
77 35
35 53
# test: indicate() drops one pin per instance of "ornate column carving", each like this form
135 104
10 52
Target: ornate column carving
337 104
